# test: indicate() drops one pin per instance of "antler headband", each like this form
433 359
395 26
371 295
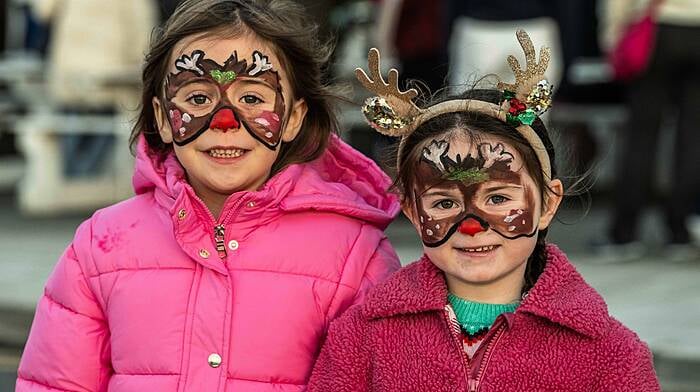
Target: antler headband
393 112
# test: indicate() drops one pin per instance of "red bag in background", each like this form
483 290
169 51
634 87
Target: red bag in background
631 55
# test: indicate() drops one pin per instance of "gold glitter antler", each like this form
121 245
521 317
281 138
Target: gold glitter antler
534 71
393 110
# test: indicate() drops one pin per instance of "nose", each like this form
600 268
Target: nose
471 227
224 120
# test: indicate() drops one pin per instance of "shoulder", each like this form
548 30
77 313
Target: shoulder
330 230
627 361
117 228
353 325
415 288
622 343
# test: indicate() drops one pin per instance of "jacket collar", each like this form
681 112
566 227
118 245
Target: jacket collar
341 181
560 295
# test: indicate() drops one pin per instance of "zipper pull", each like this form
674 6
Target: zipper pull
219 232
473 385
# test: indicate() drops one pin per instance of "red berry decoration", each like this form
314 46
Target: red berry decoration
516 106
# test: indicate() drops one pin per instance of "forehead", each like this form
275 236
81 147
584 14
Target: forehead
473 150
219 47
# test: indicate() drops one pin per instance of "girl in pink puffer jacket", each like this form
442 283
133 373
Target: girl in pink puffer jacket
490 306
253 226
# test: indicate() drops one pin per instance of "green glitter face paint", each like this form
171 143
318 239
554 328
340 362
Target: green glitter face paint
452 186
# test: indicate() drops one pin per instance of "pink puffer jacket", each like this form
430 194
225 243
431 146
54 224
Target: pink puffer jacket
560 338
143 300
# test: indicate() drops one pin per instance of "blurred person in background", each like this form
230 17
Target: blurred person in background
413 35
482 36
420 49
92 43
669 85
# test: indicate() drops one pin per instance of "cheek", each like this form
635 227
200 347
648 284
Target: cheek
438 256
261 159
519 250
269 120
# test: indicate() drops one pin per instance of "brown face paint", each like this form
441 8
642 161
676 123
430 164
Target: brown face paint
198 98
442 177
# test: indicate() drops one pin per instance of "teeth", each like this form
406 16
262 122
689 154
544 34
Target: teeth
480 249
218 153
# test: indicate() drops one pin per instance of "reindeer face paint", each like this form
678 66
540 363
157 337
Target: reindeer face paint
204 95
473 189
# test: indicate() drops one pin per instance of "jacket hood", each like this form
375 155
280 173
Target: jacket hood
560 295
341 181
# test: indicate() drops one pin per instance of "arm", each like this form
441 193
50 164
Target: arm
628 365
383 263
343 364
68 346
371 260
637 372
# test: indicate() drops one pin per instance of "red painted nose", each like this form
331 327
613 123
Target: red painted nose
224 120
471 227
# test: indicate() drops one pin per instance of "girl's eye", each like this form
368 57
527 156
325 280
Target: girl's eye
497 199
199 99
445 204
251 99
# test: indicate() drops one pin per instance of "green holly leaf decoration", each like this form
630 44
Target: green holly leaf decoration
527 117
512 120
223 77
508 94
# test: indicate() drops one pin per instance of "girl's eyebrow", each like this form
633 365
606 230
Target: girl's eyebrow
430 192
250 80
501 187
194 79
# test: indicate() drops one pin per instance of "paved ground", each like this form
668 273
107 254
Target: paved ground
659 300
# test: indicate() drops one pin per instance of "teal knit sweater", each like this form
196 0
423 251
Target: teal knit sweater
475 317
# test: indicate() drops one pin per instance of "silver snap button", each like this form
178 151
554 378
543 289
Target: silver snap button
233 244
203 253
214 360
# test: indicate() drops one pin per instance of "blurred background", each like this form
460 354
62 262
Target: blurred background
625 120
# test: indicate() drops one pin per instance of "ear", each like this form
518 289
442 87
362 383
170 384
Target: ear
551 205
296 119
166 134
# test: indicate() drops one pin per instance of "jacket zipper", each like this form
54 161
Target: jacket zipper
219 228
219 236
474 383
460 349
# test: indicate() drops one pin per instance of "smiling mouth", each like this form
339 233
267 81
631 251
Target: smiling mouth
480 249
225 153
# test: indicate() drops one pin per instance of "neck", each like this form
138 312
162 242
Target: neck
214 201
504 290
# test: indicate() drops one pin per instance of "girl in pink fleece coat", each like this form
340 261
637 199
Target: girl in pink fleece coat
490 306
253 226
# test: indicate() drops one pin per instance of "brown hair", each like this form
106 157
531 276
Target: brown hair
285 27
475 124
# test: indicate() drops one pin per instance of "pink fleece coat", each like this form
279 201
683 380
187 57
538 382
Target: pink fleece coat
142 298
561 338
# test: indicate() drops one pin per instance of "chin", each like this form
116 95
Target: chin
226 187
476 277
